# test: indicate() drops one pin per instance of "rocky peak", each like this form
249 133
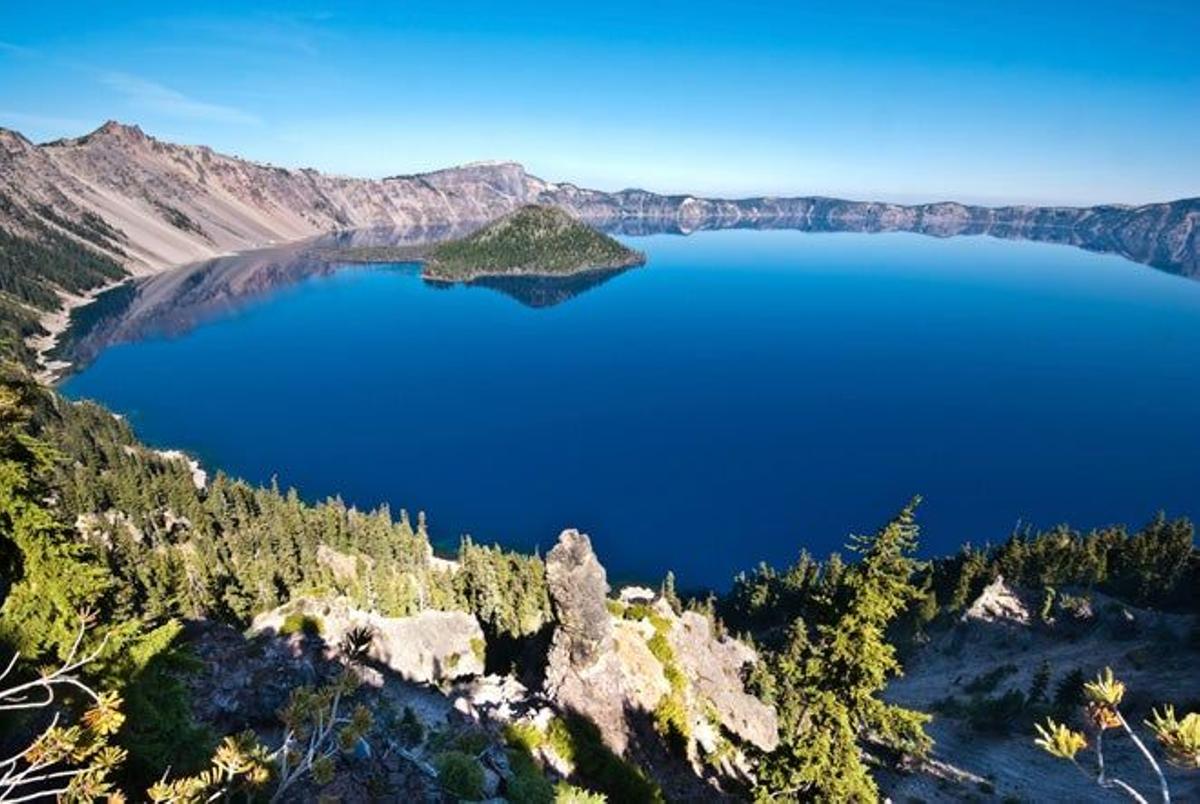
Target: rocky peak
13 142
116 132
578 589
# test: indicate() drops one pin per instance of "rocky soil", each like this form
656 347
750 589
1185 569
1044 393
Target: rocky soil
1003 634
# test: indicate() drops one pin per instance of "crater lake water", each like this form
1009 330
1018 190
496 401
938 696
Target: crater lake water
744 395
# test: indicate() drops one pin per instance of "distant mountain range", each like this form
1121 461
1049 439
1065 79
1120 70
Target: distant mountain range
165 204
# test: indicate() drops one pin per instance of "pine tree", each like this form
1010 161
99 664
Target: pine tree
826 680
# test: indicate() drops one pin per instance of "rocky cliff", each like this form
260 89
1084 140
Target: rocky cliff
170 204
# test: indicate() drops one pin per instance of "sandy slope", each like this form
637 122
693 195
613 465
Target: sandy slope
1155 655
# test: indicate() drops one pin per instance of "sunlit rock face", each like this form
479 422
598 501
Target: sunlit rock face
601 664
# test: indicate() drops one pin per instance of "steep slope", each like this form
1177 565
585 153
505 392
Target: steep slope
180 203
979 676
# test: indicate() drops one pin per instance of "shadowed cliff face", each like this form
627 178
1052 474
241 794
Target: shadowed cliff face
174 204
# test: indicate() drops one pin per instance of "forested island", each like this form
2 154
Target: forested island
532 241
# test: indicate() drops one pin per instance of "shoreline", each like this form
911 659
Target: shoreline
638 262
50 371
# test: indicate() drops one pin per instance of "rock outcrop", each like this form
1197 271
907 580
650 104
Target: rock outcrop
714 669
589 670
427 647
578 588
620 667
998 603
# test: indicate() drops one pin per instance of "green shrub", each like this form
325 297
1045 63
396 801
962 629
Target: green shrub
1068 694
472 741
672 722
479 648
671 715
644 611
300 623
460 774
1039 684
661 649
987 681
410 730
524 736
998 715
600 768
528 784
637 611
560 741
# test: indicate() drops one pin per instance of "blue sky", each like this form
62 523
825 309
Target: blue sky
1061 102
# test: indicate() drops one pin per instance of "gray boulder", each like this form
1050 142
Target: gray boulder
427 647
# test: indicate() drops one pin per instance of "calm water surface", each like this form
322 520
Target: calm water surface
742 396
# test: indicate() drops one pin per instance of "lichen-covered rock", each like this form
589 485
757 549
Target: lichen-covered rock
430 646
714 669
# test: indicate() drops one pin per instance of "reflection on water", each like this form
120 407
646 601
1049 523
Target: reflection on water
546 291
176 302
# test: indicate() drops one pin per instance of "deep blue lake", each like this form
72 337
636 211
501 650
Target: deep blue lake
743 395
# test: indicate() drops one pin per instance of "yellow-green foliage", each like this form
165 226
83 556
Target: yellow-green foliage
479 648
671 717
299 623
560 741
1060 741
1180 739
524 736
646 612
77 757
661 648
528 784
578 740
240 763
570 794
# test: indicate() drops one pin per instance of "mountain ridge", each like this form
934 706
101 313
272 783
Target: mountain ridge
181 203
